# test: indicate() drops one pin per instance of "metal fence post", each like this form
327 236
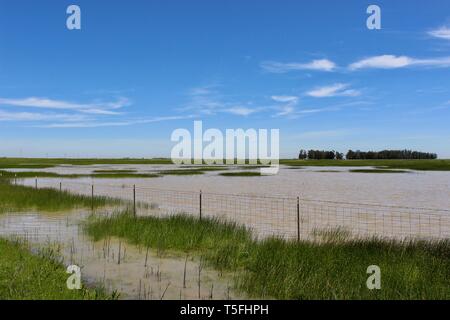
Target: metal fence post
298 219
200 204
60 186
134 200
92 198
35 183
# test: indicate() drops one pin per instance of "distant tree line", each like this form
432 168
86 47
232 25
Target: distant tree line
389 154
363 155
320 155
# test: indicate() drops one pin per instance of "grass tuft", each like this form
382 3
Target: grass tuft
241 174
377 171
26 276
182 172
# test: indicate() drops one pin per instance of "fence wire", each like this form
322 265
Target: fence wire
285 217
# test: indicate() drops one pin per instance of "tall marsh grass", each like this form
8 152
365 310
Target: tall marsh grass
27 276
276 268
15 198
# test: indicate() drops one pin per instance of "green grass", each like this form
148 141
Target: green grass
31 174
114 171
241 174
16 198
51 162
437 165
287 270
24 166
182 172
275 268
206 168
377 171
179 233
25 276
123 175
104 175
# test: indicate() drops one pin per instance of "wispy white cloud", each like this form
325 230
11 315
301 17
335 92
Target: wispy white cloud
105 108
33 116
382 62
395 62
287 107
287 110
209 101
241 111
203 100
285 98
315 65
97 124
335 90
441 33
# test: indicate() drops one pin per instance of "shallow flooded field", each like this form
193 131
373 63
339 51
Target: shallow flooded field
412 189
136 273
296 203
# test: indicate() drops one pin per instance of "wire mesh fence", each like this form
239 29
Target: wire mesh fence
286 217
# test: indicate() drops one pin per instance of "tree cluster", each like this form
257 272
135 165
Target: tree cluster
389 154
320 155
365 155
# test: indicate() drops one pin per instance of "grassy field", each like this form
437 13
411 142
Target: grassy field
14 198
97 175
51 162
275 268
438 165
26 276
36 163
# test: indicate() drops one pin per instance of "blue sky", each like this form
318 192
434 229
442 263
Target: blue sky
137 70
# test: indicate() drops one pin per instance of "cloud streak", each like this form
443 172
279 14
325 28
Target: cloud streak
208 101
288 107
123 123
105 108
315 65
396 62
33 116
335 90
441 33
